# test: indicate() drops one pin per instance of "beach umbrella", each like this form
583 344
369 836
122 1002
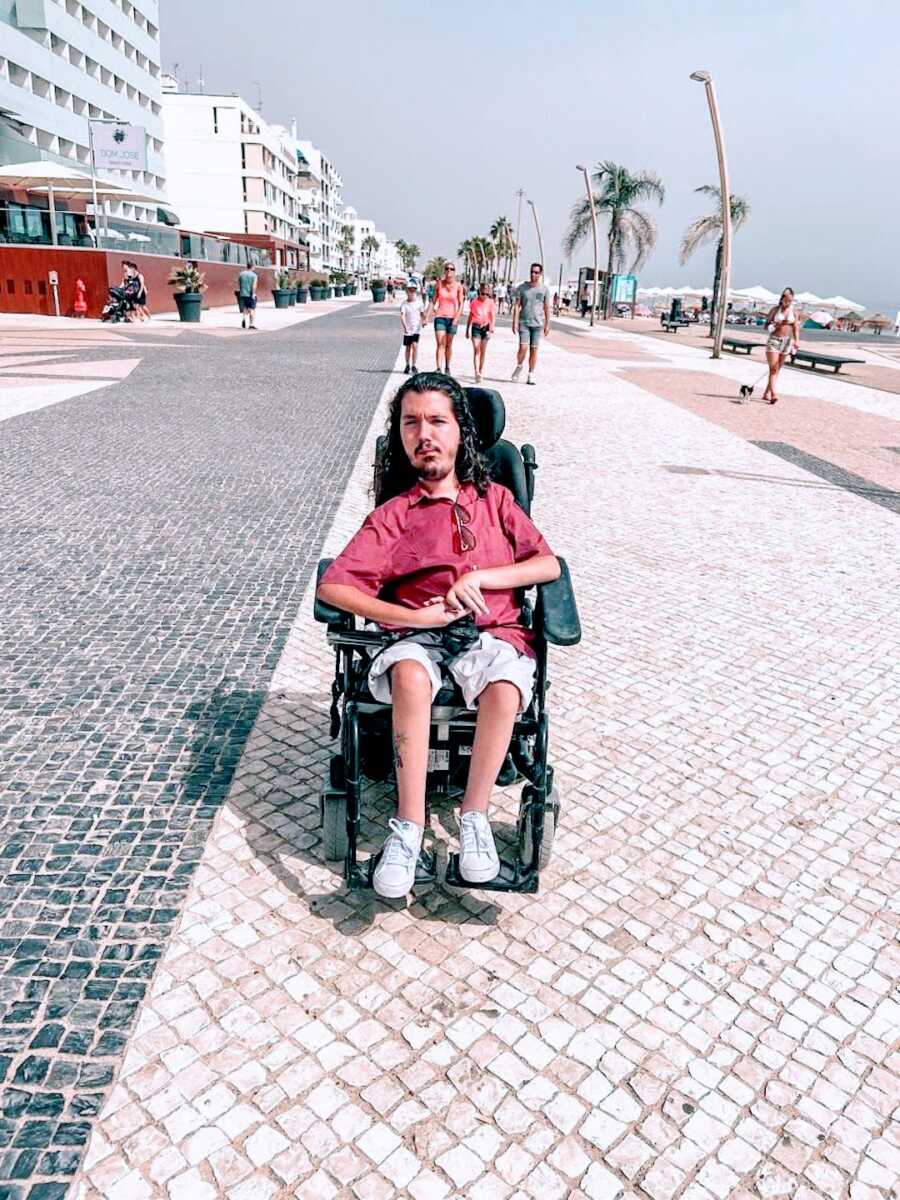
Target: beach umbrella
758 293
62 182
821 318
808 298
844 303
876 319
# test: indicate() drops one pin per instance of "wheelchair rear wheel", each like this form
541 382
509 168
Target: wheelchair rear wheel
526 827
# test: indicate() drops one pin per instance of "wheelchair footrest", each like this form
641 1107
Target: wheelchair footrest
426 870
512 877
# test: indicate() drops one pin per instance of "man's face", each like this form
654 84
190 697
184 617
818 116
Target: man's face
430 434
535 274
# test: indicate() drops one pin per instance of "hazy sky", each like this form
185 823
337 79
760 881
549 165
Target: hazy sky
436 113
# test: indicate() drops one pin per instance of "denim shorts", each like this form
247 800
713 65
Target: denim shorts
529 335
481 331
445 324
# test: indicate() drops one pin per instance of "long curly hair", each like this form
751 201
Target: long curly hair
397 474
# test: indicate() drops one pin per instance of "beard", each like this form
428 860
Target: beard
435 471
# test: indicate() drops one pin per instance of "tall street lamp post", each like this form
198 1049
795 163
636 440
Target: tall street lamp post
719 325
520 193
537 226
587 184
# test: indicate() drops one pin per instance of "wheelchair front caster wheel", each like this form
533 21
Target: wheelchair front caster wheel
334 828
526 828
333 805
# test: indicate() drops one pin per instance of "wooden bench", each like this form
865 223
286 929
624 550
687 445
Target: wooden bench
673 326
812 359
740 345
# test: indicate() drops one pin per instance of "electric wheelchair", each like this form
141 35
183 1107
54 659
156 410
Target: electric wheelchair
363 725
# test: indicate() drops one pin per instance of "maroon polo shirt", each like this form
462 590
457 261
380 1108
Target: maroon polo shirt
408 551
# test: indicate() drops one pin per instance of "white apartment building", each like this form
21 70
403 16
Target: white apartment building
321 193
230 172
383 260
63 61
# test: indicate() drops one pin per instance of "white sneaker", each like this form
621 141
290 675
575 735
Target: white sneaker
396 872
478 859
517 373
531 380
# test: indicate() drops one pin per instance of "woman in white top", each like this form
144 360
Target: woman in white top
784 339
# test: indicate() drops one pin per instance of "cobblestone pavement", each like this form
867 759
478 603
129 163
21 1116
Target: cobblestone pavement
156 540
702 1003
44 360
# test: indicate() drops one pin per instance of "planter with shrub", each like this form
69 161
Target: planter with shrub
189 288
379 290
281 292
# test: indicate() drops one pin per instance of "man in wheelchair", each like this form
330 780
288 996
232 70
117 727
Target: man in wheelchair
443 562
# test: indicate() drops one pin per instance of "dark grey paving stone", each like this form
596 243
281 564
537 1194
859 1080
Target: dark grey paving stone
155 541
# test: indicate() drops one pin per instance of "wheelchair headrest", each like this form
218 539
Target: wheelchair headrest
489 414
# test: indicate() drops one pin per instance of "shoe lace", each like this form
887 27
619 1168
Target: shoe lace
397 851
473 835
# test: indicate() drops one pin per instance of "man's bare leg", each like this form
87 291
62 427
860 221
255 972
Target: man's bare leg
411 698
497 708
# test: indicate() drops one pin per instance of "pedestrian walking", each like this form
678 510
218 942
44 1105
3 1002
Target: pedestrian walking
248 284
784 339
500 296
530 315
480 326
130 286
390 290
449 296
411 313
140 292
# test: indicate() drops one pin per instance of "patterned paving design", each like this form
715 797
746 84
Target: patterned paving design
155 542
701 1003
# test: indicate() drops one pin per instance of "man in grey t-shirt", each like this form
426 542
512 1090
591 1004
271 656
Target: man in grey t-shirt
530 314
248 282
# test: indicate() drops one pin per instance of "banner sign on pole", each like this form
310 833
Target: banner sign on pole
119 147
624 289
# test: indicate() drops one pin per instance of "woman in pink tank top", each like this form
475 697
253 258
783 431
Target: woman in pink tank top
446 307
480 326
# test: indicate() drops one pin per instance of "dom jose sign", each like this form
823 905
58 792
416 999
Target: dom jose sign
119 147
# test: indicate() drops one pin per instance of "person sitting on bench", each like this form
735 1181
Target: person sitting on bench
452 543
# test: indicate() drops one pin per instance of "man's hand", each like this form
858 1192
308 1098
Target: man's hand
434 614
464 596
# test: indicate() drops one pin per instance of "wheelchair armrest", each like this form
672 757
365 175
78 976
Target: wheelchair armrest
556 612
325 613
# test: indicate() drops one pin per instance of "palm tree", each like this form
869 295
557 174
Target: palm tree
501 236
466 251
369 245
345 245
618 191
434 269
704 229
409 252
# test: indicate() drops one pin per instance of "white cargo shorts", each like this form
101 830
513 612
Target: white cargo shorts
490 660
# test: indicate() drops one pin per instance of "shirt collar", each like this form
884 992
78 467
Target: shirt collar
417 494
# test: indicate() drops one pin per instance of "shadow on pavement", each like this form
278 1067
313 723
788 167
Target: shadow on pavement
274 793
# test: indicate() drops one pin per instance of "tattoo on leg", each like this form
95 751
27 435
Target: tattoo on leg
399 740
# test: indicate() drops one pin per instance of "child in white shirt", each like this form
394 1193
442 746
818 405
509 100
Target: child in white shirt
411 311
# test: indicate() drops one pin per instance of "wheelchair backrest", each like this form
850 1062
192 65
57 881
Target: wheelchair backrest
504 459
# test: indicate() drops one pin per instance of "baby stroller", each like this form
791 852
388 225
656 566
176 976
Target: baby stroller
363 725
118 306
